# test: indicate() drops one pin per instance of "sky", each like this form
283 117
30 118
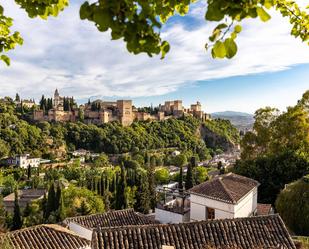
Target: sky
271 67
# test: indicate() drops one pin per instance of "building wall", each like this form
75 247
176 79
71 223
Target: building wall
125 112
198 208
247 205
167 217
80 230
244 208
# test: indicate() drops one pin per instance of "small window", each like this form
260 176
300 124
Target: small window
210 213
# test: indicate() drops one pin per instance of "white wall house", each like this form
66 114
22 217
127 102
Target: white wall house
24 161
225 196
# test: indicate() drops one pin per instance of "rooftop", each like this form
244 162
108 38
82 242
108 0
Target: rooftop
228 188
26 194
111 219
43 236
263 209
241 233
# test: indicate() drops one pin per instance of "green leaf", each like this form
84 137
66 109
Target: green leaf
237 28
230 48
101 18
85 11
165 48
221 26
218 50
5 59
264 16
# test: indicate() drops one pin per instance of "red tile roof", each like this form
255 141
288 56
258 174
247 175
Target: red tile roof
43 237
241 233
263 209
228 188
111 219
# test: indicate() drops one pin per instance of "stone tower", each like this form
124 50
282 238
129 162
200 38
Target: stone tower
56 98
125 112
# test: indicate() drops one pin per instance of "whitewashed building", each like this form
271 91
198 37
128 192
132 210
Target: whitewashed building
224 196
23 161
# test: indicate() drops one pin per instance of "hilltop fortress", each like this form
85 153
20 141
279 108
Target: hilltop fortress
64 109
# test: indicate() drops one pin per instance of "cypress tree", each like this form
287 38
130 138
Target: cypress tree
180 180
58 197
120 202
51 201
29 172
152 186
61 210
143 200
17 220
44 207
189 177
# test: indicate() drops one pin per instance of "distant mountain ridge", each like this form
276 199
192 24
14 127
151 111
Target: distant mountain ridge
242 120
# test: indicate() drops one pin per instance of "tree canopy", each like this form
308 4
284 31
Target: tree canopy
139 22
293 205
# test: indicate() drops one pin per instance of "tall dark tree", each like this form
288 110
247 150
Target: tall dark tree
58 197
142 194
120 202
189 178
17 219
180 180
29 172
51 205
152 186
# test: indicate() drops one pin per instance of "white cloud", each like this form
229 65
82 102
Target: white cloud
72 55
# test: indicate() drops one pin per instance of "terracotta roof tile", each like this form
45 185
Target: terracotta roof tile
241 233
263 209
228 188
43 237
111 219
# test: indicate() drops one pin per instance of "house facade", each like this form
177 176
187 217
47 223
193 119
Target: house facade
225 196
23 161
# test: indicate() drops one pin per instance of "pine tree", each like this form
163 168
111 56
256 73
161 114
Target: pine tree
17 220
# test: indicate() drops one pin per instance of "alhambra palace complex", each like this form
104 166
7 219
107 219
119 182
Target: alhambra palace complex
99 112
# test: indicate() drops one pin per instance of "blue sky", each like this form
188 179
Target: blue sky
271 67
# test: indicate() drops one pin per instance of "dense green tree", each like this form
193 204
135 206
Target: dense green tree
73 197
293 206
83 209
273 172
139 23
17 219
162 176
200 174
